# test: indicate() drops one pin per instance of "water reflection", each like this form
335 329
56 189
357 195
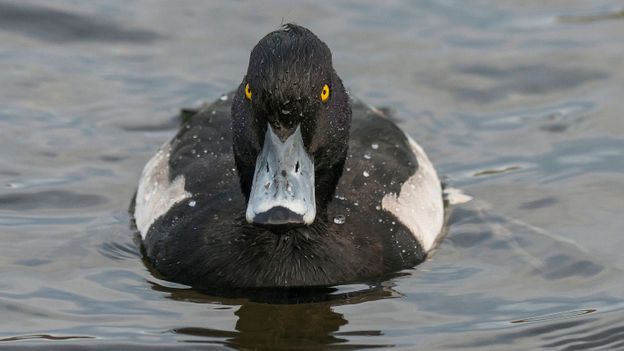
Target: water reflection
280 318
63 26
279 326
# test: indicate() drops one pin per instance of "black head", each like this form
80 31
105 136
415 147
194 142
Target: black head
291 85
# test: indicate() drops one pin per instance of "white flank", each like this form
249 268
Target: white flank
156 195
419 204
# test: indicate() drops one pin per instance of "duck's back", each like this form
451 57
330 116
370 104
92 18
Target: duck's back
385 216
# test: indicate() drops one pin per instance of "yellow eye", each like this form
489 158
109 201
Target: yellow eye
248 92
325 93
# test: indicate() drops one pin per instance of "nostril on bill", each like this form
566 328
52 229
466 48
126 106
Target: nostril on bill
297 167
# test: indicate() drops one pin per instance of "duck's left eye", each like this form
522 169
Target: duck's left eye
325 93
248 92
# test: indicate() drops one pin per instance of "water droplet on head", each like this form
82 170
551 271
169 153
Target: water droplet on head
192 203
340 219
365 173
375 146
367 156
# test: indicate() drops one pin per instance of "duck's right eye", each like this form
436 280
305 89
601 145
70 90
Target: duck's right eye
248 92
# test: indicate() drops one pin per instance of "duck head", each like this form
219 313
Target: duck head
290 122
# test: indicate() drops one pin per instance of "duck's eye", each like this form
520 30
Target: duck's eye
248 92
325 93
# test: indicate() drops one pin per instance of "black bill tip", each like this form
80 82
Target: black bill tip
278 218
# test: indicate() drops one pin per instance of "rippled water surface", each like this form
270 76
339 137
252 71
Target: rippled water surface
518 103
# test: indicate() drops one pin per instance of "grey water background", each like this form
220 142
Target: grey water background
518 103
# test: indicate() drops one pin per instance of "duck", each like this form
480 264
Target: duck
287 182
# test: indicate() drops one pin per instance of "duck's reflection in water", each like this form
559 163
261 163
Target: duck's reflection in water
282 319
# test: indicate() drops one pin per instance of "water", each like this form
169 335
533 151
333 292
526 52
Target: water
519 104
